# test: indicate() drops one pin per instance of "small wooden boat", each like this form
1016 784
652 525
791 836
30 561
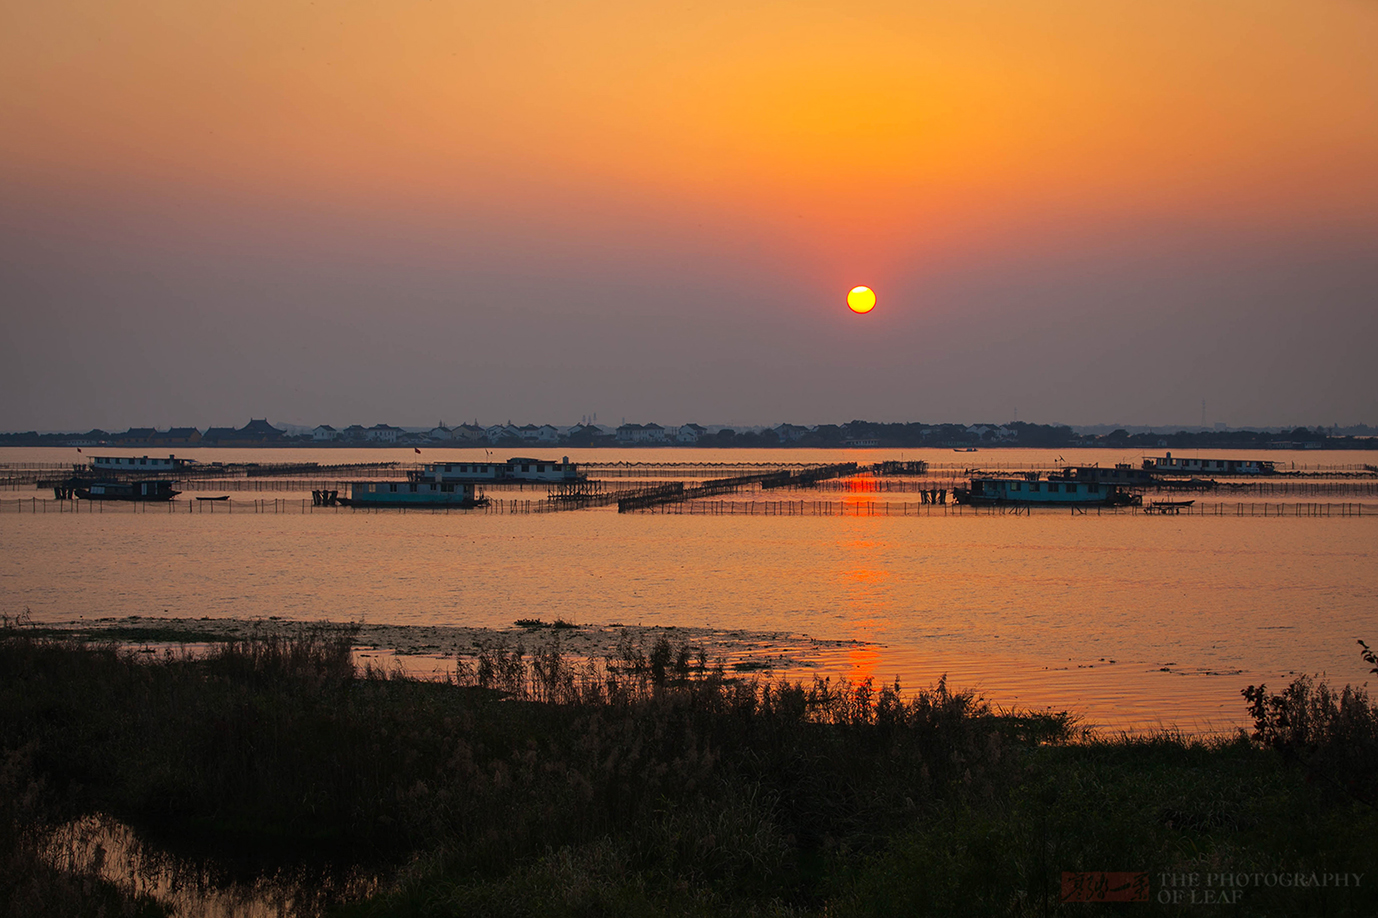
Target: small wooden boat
221 497
1167 507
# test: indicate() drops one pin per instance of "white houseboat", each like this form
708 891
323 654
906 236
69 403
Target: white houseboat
140 464
418 494
1178 465
1032 491
516 469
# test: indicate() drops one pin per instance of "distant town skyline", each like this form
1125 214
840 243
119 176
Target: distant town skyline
1082 213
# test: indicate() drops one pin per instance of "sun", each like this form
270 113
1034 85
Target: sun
861 299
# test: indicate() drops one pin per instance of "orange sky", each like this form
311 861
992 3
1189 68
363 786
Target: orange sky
856 113
847 141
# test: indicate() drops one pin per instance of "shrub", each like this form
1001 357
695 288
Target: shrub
1333 734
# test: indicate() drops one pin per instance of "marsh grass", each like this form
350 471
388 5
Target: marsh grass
647 783
1331 733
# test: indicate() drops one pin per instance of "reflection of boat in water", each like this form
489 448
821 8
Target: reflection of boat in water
458 495
965 449
1167 507
124 490
1057 490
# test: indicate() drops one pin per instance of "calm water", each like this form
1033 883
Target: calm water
1134 621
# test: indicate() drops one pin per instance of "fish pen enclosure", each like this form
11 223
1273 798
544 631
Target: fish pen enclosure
918 508
272 505
692 507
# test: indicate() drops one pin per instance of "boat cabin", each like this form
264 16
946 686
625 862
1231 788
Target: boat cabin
413 494
151 464
1030 490
514 469
124 490
1179 465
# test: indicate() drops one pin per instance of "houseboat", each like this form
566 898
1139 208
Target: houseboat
516 469
140 464
458 495
1178 465
1122 474
1058 490
123 490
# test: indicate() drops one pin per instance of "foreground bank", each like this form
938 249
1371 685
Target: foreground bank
649 783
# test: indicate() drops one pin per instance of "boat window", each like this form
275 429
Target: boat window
447 488
413 489
1093 489
373 489
1017 486
1055 488
1037 487
392 489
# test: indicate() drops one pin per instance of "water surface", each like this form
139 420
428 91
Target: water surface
1135 621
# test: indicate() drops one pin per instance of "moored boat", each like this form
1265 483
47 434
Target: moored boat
124 490
140 465
517 469
1192 465
1168 507
456 495
1031 490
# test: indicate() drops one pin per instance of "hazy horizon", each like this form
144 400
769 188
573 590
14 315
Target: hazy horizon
409 212
713 426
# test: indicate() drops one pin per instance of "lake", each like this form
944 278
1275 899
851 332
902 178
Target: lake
1134 621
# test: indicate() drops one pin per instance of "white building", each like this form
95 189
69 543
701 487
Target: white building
382 433
471 433
790 433
324 432
441 433
641 433
689 433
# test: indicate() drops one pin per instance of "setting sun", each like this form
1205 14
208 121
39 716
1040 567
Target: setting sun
861 299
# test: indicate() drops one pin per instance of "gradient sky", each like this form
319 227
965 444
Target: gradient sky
407 211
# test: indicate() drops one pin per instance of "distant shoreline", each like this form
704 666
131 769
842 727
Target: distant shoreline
1163 441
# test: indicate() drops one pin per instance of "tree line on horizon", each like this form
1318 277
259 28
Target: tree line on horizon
854 434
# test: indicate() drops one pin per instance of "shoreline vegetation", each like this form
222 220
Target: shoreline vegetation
434 649
651 781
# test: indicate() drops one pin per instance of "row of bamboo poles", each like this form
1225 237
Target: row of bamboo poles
696 508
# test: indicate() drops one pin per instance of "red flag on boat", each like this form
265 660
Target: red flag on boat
418 450
78 449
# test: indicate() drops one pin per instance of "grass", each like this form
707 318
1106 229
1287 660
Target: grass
651 783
